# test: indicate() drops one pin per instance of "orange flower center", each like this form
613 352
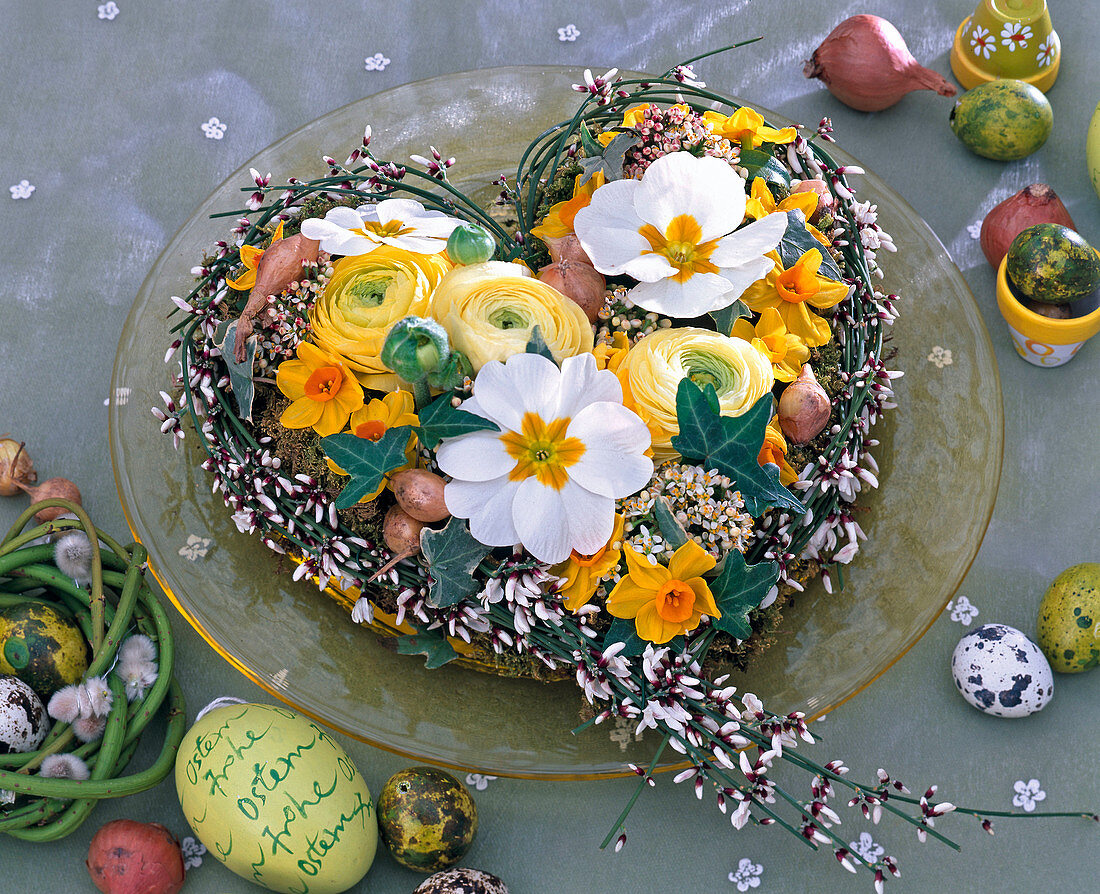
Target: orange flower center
675 601
681 244
324 383
371 430
542 449
797 284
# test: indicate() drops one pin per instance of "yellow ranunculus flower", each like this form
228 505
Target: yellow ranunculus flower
653 367
373 420
786 352
665 601
584 573
366 295
792 291
489 311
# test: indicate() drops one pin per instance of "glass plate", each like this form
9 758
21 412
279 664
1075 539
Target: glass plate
940 459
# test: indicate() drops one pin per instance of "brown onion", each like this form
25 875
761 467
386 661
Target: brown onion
420 493
804 408
866 65
566 248
52 489
1034 204
128 857
401 532
825 199
581 283
15 466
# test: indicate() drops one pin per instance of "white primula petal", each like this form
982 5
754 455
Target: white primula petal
424 245
707 189
582 384
744 275
527 382
702 293
336 239
541 520
590 516
610 473
478 456
348 218
608 226
749 243
649 268
610 426
404 210
488 506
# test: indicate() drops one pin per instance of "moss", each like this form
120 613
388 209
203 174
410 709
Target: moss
559 189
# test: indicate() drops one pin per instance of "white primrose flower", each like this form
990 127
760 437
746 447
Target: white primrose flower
673 231
402 223
566 450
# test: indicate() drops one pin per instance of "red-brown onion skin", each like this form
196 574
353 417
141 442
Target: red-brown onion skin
804 408
1034 204
583 284
420 494
401 532
128 857
866 64
52 489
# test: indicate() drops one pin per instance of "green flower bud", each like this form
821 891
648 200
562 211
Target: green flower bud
415 348
470 244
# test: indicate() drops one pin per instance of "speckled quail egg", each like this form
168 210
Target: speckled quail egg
1000 671
23 720
462 881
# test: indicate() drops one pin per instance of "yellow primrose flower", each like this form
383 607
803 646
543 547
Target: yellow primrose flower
490 310
584 573
663 601
786 352
790 291
558 222
322 391
611 355
653 368
365 296
774 450
374 419
746 126
250 257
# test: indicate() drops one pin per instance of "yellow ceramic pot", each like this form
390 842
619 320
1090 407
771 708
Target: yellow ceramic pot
1041 340
1007 39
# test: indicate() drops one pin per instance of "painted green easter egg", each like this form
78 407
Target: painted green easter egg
1003 120
276 799
427 818
1069 619
42 647
1051 263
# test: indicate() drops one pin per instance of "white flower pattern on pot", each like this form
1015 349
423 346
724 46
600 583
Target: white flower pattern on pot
1028 794
867 849
941 357
1014 35
21 190
214 129
982 41
377 62
569 32
1046 51
747 874
108 10
963 610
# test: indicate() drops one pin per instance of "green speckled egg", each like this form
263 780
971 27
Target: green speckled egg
1069 619
1053 264
42 647
427 818
1003 120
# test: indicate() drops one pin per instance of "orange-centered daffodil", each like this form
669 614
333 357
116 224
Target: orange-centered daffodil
323 393
790 291
664 601
558 222
250 258
583 573
746 126
786 352
774 450
377 417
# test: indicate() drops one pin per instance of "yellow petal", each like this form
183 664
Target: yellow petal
627 599
244 282
642 572
302 413
704 599
689 561
653 627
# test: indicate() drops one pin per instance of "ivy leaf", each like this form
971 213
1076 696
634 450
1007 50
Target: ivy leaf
610 159
452 555
240 374
439 420
764 165
725 317
738 589
366 461
730 444
536 344
798 240
432 644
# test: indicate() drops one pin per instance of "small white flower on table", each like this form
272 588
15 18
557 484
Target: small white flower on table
569 32
377 62
196 547
866 848
108 10
975 229
214 129
963 610
1028 794
21 190
941 357
747 874
479 781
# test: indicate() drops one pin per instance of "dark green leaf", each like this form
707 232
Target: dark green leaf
610 160
730 444
589 144
738 589
439 420
536 344
240 374
764 165
433 644
671 530
798 240
623 630
366 461
452 555
725 317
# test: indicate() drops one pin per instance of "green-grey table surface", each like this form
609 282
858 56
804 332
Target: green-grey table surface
102 112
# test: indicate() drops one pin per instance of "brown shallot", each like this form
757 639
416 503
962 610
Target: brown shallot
1034 204
51 489
15 466
581 283
420 493
804 408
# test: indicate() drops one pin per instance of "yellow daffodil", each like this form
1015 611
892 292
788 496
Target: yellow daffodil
774 450
558 222
786 352
761 202
746 126
584 573
792 291
323 392
374 419
610 355
664 601
250 257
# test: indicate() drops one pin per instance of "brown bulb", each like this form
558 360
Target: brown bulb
804 408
